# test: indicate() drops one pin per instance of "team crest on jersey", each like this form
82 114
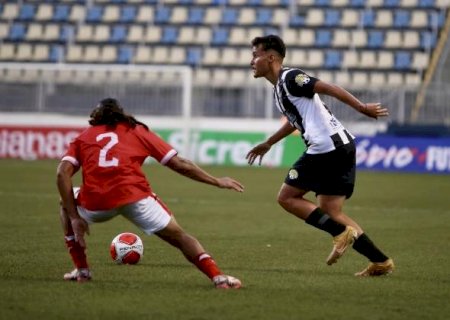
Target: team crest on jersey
293 174
302 79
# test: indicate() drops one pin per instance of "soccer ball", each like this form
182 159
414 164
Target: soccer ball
126 248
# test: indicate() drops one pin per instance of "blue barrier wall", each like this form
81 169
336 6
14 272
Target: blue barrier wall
408 154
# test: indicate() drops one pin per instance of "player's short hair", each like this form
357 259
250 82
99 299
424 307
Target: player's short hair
271 41
109 112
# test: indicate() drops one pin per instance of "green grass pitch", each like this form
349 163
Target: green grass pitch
280 260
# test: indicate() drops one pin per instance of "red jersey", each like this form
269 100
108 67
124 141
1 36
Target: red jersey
111 160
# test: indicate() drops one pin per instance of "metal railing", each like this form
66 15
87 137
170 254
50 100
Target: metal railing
171 92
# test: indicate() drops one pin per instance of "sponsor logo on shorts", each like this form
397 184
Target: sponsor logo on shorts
293 174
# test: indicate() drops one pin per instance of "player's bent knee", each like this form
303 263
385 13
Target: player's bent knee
284 201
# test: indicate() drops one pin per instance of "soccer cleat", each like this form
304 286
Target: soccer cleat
377 269
226 282
341 243
80 275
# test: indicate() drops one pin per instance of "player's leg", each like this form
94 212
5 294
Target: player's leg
152 216
307 175
188 245
380 263
334 182
292 200
77 253
81 272
333 206
196 254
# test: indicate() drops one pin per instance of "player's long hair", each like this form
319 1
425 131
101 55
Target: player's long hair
109 112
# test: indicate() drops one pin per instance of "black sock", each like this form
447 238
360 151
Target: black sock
367 248
322 221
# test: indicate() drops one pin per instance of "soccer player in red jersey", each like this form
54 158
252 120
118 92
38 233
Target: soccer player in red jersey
110 153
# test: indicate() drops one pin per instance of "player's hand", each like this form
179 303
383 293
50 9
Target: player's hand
80 227
258 151
229 183
374 110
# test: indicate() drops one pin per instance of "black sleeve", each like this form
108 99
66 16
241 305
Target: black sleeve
299 84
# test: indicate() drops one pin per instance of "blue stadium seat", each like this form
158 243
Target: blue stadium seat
426 3
402 18
17 32
169 35
194 56
66 32
402 60
125 54
220 36
229 16
391 3
427 40
375 39
358 3
323 38
163 15
333 59
297 21
263 16
127 13
322 3
56 53
436 19
94 14
27 12
368 18
219 2
195 15
332 17
61 13
118 34
255 3
270 30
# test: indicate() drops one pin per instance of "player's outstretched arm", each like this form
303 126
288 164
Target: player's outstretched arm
372 110
189 169
64 175
261 149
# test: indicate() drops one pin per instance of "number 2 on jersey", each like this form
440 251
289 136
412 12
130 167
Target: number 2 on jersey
102 161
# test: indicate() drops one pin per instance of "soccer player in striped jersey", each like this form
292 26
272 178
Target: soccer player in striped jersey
110 153
327 167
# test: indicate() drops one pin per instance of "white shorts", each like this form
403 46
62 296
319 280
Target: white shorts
148 214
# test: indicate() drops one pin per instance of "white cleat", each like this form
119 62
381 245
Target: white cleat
80 275
226 282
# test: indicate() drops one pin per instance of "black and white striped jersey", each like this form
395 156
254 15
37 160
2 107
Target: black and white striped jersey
295 98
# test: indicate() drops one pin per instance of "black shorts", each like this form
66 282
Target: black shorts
331 173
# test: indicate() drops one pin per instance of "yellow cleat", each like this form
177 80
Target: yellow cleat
341 243
377 269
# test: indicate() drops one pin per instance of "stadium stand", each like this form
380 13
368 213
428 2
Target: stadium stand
372 40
